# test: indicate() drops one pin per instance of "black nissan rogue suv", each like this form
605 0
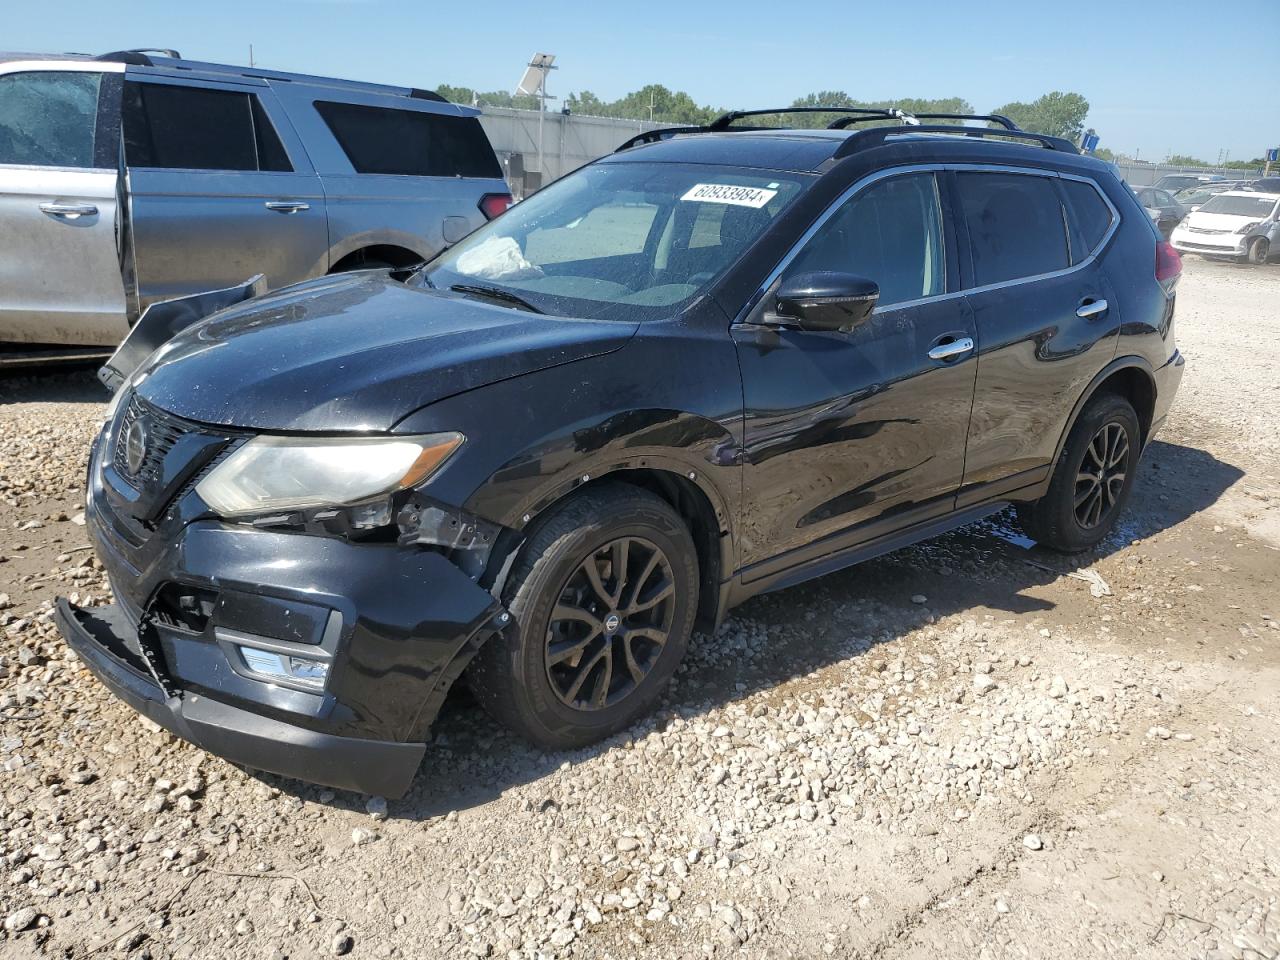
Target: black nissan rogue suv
720 361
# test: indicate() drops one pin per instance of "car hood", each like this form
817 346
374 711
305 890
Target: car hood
1219 221
357 352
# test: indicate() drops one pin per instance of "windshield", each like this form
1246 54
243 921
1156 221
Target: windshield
624 241
1195 194
1239 206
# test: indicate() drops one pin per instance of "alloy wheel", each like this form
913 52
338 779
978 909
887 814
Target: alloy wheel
1101 476
610 622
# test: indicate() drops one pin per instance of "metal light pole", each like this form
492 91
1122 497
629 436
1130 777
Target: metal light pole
534 83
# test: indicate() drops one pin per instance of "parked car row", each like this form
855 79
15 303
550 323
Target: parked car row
1241 224
1215 217
131 177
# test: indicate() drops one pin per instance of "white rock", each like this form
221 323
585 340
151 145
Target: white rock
20 919
563 937
983 684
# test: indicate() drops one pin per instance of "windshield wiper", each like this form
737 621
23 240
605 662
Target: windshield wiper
495 293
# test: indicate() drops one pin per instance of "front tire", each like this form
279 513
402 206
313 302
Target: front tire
1092 479
604 593
1256 252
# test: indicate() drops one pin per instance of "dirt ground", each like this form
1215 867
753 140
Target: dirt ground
958 750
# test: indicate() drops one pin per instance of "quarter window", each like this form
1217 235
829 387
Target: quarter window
49 118
1017 227
1091 214
410 142
891 233
196 128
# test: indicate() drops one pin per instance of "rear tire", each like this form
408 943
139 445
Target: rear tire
1092 479
595 649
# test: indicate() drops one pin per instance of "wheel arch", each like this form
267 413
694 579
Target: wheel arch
698 503
1132 378
377 253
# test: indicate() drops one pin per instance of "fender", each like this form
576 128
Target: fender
352 242
672 462
673 450
1130 362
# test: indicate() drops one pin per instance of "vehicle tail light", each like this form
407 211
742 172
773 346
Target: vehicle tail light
493 204
1168 265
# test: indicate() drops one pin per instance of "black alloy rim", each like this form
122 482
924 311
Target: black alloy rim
611 620
1102 473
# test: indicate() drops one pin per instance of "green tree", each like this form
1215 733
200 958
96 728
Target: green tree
1257 164
1182 160
586 102
651 102
838 98
493 98
1057 114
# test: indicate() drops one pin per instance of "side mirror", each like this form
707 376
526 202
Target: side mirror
826 300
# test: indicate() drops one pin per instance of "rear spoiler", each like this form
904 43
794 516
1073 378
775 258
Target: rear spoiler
165 319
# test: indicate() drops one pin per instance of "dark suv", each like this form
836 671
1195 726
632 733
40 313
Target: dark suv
717 362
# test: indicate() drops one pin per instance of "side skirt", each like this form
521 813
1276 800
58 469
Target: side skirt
741 588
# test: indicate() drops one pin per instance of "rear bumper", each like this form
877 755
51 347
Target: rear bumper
369 766
1167 380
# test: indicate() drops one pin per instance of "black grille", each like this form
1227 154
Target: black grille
162 433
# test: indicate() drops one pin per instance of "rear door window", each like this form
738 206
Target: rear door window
49 119
196 128
1091 215
409 143
1017 225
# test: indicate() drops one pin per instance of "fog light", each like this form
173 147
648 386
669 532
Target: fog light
313 673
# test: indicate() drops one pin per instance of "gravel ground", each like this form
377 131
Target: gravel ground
954 751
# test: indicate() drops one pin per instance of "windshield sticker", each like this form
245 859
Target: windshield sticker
729 193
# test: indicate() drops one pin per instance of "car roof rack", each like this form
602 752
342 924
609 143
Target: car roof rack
863 139
913 119
138 56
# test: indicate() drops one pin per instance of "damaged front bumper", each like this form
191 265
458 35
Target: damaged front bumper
392 625
370 766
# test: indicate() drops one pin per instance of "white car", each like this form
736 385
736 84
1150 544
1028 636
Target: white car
1239 224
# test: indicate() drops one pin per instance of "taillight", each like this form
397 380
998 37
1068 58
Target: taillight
493 204
1168 265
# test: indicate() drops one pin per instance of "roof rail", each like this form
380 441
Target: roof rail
863 139
653 136
725 121
866 139
907 118
138 55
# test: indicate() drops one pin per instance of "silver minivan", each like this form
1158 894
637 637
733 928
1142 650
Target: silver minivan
131 178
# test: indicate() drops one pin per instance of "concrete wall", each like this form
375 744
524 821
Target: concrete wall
567 142
570 141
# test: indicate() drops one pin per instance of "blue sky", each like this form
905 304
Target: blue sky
1160 77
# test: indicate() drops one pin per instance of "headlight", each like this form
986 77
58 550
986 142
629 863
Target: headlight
296 473
1248 226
